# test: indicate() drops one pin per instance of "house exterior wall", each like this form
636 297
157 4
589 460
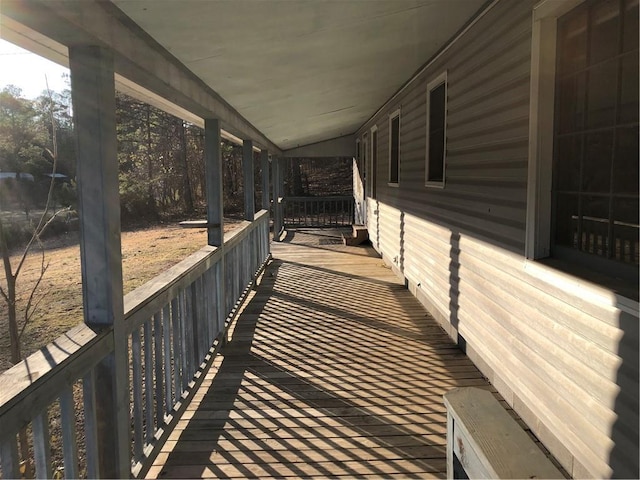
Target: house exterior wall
563 352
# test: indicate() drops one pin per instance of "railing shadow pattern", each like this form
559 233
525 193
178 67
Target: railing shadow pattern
328 374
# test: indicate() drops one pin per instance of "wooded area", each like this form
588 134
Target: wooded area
161 161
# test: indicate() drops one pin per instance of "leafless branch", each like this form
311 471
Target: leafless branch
36 237
43 223
31 308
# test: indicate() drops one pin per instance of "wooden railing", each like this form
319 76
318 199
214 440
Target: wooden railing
318 211
174 324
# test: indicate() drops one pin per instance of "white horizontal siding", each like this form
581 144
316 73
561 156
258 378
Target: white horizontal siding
552 344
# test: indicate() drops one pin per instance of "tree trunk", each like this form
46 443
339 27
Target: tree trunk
14 336
188 195
151 201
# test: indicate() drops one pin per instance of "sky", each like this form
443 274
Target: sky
27 71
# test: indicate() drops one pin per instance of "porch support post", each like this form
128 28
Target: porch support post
93 96
275 166
249 180
213 167
264 166
215 213
281 169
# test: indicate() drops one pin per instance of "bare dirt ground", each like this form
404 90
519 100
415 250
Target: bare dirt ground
145 253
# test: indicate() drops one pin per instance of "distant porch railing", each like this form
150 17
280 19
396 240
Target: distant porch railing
174 324
332 211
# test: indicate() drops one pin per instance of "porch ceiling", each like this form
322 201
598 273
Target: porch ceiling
302 71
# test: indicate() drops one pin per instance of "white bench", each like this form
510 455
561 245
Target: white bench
484 441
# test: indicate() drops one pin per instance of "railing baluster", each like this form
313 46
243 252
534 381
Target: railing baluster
9 457
197 324
68 425
177 351
166 337
136 359
158 362
228 290
247 263
204 321
236 275
41 451
221 311
90 423
189 324
212 314
183 340
148 380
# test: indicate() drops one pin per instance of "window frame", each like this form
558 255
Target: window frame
540 213
431 86
392 116
542 124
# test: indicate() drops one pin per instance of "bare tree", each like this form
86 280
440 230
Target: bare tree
18 324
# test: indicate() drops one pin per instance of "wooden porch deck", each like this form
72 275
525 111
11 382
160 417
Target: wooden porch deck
334 369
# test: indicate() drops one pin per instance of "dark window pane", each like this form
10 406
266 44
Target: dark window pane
436 107
572 42
601 94
436 156
625 229
567 168
605 24
436 134
571 100
596 158
566 231
625 173
628 110
630 32
596 171
595 224
395 150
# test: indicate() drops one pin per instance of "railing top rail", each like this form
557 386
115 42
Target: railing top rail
231 239
328 198
34 383
150 297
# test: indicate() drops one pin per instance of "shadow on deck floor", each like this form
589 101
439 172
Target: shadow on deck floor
333 369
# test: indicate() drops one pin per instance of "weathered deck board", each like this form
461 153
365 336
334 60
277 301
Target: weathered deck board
334 369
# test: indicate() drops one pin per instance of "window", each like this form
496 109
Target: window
374 161
436 131
595 169
583 150
394 148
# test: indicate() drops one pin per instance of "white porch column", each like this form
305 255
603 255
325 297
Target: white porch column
264 166
215 210
277 219
213 167
249 182
93 96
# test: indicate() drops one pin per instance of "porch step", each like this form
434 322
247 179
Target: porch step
359 235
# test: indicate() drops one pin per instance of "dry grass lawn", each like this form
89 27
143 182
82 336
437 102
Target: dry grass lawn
145 253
